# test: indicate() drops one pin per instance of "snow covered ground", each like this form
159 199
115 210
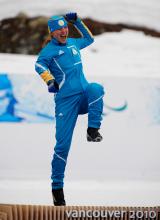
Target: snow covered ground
120 193
127 53
125 168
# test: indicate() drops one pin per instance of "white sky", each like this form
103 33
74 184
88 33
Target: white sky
144 12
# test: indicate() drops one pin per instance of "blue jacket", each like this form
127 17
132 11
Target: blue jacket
63 63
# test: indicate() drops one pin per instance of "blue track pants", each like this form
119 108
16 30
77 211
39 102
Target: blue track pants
67 111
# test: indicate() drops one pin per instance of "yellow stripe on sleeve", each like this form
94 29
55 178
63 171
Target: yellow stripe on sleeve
89 32
46 76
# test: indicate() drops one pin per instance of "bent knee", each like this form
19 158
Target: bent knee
96 87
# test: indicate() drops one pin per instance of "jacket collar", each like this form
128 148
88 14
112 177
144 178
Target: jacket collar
56 42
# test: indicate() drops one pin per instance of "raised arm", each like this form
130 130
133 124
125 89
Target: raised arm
87 37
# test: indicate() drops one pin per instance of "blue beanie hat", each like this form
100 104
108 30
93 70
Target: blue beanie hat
56 22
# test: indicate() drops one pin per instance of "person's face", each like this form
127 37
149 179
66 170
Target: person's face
61 35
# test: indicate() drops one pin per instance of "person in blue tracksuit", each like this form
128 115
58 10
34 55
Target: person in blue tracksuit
60 66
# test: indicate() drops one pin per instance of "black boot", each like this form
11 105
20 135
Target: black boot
58 197
93 135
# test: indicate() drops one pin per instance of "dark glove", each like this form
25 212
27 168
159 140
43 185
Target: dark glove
71 17
53 86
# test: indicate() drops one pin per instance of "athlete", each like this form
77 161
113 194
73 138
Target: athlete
59 64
